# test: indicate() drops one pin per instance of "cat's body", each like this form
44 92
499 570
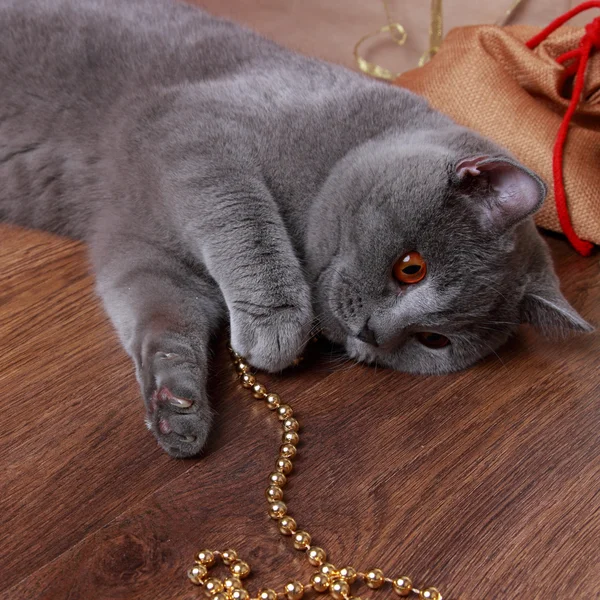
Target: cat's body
91 74
214 173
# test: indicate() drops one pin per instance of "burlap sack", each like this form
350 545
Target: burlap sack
485 77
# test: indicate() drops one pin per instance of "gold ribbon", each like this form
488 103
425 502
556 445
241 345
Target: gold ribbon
436 32
399 35
508 14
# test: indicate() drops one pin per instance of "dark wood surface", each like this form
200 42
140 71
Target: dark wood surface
484 483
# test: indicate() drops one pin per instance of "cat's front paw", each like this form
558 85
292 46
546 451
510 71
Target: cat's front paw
271 338
177 409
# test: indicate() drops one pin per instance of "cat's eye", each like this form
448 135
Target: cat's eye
432 340
410 268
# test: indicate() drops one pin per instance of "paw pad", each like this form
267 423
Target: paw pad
165 395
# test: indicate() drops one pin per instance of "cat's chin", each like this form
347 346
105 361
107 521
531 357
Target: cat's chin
403 362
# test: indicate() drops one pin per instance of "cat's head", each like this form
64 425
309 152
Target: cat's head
424 257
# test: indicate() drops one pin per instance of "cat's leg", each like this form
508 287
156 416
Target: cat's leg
165 313
245 245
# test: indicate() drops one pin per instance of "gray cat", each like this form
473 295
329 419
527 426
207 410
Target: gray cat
216 175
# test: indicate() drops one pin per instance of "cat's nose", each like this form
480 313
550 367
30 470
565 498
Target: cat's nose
367 335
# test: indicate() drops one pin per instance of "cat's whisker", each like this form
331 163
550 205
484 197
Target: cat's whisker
496 354
342 364
489 279
340 360
466 341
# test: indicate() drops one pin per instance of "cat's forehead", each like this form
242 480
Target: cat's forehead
413 209
411 183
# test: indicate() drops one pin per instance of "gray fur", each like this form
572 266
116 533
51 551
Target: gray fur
215 174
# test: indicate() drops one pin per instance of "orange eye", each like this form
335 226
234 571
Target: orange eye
410 268
432 340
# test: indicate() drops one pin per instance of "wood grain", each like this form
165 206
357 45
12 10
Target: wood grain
484 483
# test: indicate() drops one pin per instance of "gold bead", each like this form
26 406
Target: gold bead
267 594
240 568
287 525
287 451
374 578
339 589
213 586
301 540
277 478
206 558
274 493
220 596
291 424
430 594
284 412
273 401
248 380
329 570
402 586
197 573
229 556
284 465
242 367
231 583
239 594
277 510
290 437
348 574
316 556
294 590
259 391
320 582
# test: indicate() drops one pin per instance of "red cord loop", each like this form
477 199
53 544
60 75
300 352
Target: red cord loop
589 42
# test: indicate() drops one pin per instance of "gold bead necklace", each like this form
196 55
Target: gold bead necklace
327 578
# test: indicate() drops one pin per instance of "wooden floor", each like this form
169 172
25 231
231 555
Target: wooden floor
484 483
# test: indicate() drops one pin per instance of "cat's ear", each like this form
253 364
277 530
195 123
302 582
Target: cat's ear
505 191
544 307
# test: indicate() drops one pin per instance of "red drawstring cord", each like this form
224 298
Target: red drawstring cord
579 56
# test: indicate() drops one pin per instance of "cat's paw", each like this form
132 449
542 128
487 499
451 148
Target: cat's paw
271 338
177 409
